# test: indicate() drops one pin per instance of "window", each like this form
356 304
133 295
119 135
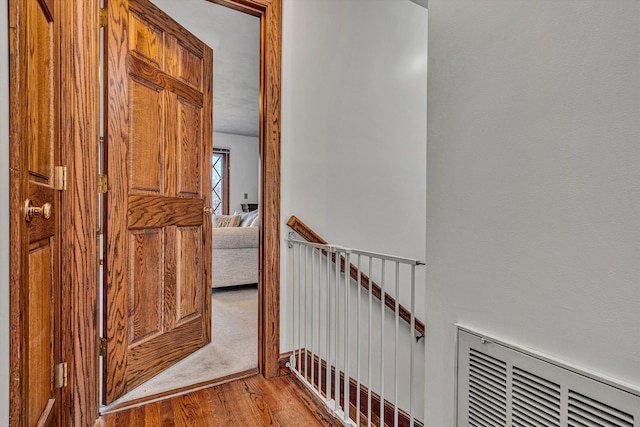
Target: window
220 181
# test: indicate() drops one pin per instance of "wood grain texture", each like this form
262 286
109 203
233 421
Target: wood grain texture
40 331
118 407
35 325
158 146
311 236
17 189
252 401
148 212
270 83
80 132
155 76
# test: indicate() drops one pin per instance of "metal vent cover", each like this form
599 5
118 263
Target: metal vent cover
500 385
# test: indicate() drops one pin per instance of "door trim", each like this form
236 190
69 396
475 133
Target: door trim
17 61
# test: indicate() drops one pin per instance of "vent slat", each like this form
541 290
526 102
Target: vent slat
499 389
498 364
542 395
528 421
499 382
526 409
498 375
478 417
554 388
553 411
498 405
601 417
575 412
497 400
553 407
599 408
496 412
498 393
541 387
575 423
589 422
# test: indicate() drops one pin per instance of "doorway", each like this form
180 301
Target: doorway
80 131
157 153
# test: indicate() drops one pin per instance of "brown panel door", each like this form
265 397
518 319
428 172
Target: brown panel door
35 213
158 142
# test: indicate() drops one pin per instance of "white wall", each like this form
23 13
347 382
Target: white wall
4 214
533 196
354 129
353 122
244 162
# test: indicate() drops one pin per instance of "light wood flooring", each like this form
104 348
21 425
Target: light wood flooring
251 401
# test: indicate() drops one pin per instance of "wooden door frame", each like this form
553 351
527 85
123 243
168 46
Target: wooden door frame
270 14
79 135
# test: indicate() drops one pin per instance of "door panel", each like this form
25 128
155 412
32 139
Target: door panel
189 120
39 329
158 142
189 270
40 99
147 247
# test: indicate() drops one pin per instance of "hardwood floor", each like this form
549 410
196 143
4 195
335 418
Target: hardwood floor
252 401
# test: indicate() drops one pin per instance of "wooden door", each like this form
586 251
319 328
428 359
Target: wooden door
35 272
158 142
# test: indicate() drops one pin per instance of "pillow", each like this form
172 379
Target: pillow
246 218
226 220
255 222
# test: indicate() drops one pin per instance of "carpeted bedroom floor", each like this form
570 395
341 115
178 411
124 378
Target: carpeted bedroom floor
234 346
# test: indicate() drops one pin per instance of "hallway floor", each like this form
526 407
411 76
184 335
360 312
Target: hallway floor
234 346
252 401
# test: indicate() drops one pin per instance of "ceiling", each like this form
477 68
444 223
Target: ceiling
235 39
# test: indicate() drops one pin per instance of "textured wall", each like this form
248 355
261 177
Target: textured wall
533 195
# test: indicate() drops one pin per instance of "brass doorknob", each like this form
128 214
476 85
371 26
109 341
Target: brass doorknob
31 211
208 211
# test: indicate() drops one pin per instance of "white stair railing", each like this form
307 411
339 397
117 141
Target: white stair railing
348 347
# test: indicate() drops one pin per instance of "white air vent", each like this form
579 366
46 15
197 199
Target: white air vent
500 385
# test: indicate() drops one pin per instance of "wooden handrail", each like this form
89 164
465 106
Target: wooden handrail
311 236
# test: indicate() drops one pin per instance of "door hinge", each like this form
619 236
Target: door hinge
102 183
60 178
103 347
61 375
103 17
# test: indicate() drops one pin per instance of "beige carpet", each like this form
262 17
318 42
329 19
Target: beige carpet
234 346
